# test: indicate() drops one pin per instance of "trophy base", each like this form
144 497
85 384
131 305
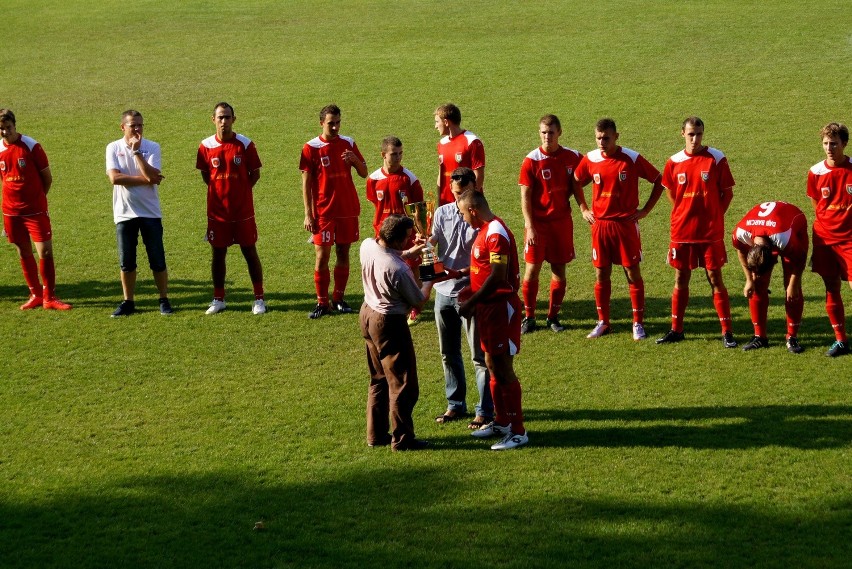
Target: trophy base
432 271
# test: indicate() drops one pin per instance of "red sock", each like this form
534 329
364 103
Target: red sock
603 291
258 290
836 316
341 277
758 304
680 298
637 300
28 265
557 293
794 315
500 409
218 293
514 411
321 280
529 289
48 276
722 302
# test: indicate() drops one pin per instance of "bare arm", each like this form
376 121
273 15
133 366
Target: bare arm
308 200
748 289
46 179
352 159
254 176
526 209
479 174
580 198
656 192
727 196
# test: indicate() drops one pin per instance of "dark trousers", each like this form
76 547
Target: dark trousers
393 377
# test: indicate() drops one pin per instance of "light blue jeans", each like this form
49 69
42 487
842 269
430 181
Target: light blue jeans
450 325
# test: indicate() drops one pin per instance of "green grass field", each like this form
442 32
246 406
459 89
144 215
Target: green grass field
160 442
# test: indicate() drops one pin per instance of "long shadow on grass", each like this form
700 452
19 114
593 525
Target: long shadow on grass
795 426
406 517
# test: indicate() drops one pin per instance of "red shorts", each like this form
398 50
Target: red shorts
226 233
499 324
616 243
689 256
19 228
337 231
554 242
832 261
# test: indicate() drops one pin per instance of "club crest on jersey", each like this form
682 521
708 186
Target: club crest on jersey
826 192
705 175
214 162
458 157
238 160
380 194
22 163
402 197
545 174
849 189
597 178
476 252
3 165
325 161
681 178
570 171
622 176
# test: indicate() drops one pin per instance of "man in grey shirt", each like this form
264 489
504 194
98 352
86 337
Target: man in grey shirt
390 292
455 238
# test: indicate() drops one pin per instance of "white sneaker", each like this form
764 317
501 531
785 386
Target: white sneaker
600 329
492 430
216 307
639 332
259 307
511 441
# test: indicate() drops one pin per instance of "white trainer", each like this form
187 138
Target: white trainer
492 430
511 441
600 329
259 307
216 307
639 332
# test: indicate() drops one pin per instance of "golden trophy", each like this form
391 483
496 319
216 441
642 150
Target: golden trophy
422 214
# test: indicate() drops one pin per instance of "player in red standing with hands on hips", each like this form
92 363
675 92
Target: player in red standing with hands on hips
26 177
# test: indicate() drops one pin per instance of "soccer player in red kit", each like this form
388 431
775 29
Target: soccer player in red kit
493 298
457 147
699 185
614 218
230 167
392 186
768 231
26 177
830 190
547 184
331 206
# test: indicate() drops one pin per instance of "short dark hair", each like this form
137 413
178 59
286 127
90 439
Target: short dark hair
7 115
605 124
331 109
550 120
464 176
395 228
473 199
225 105
760 259
449 112
390 142
837 129
133 114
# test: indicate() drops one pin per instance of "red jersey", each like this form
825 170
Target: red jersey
832 188
615 195
389 192
20 165
495 243
696 183
464 149
228 163
332 188
783 223
550 176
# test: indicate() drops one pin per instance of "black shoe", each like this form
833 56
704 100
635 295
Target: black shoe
320 310
126 308
793 345
553 324
165 307
342 307
671 337
728 340
838 348
528 325
413 444
756 343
